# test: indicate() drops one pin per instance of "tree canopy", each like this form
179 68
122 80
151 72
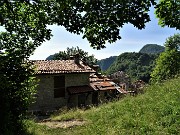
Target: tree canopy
69 52
99 21
168 64
25 26
168 12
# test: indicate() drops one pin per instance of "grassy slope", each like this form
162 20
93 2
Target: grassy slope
155 112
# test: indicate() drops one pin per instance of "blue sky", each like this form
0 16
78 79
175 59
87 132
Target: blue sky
132 40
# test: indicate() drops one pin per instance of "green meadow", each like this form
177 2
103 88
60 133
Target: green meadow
156 112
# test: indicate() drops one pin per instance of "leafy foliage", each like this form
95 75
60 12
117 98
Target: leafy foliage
17 91
66 55
99 21
136 65
173 42
168 64
168 12
25 30
152 49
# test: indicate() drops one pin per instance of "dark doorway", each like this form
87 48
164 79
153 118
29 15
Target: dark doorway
59 86
95 98
81 100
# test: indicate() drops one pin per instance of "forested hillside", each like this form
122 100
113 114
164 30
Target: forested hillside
136 65
106 63
148 49
152 49
50 57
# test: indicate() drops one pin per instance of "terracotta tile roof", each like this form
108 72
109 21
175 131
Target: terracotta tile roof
102 83
79 89
60 66
107 88
98 78
122 91
94 86
105 85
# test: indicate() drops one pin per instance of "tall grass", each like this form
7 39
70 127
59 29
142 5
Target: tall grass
156 112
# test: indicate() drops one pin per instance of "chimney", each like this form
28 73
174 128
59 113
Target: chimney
76 58
71 57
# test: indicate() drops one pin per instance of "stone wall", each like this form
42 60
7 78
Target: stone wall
45 100
105 96
77 79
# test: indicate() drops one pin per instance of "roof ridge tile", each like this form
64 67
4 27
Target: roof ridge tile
60 66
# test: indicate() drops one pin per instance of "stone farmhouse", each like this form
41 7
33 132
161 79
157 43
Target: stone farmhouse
70 83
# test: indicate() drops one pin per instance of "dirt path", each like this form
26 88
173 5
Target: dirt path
62 124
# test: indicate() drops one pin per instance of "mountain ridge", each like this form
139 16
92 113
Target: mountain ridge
147 49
